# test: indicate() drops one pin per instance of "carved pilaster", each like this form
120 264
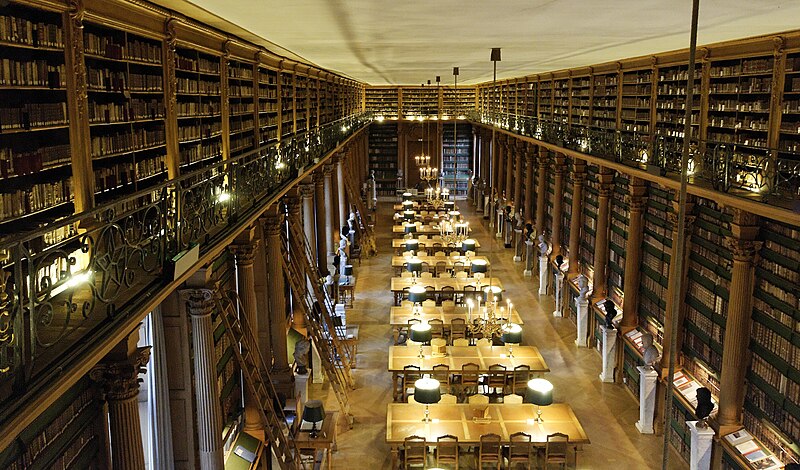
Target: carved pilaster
606 185
637 204
541 189
576 222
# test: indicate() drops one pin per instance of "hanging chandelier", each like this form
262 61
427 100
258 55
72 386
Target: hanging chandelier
452 229
428 173
491 319
436 197
422 160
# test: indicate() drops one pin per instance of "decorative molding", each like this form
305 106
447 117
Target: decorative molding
120 380
245 253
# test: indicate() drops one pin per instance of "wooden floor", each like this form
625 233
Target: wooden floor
607 411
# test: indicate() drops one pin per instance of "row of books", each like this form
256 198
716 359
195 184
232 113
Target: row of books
112 47
38 197
268 121
746 66
26 116
37 34
201 64
784 318
785 251
241 91
196 153
729 105
741 139
242 72
746 122
124 173
205 131
777 344
138 139
773 410
241 108
789 274
34 73
245 123
705 324
267 107
196 109
701 349
15 163
191 85
134 110
242 142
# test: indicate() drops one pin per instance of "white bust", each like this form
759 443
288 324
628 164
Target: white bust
651 355
544 247
583 287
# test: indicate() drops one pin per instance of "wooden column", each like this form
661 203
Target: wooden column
330 218
541 191
509 152
200 305
494 176
637 203
294 210
521 151
319 198
575 224
307 196
273 225
558 202
118 375
605 179
530 162
336 224
343 206
744 230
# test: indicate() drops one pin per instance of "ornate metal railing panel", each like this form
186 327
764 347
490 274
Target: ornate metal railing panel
727 167
67 284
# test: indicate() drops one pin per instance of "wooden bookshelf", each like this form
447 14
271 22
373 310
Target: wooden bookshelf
656 249
383 102
456 157
618 238
419 101
241 107
589 230
604 100
268 106
580 101
635 106
789 137
671 101
566 209
561 100
199 108
457 103
286 93
383 157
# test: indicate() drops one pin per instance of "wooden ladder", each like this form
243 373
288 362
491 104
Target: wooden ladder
258 382
366 235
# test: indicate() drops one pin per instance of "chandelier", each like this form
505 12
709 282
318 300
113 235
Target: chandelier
453 230
422 160
436 197
428 173
491 319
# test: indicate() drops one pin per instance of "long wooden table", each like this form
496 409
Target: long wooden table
421 206
399 261
403 420
457 356
399 316
399 244
458 285
421 229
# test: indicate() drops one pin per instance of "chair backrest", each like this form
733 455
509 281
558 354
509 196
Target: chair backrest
520 445
411 374
415 450
469 373
437 245
457 322
441 372
447 399
446 449
428 303
478 400
556 447
497 374
438 342
422 237
462 275
512 399
425 275
483 342
490 448
406 274
448 306
412 321
461 342
440 254
470 288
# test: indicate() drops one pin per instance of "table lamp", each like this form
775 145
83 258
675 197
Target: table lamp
540 393
478 269
409 228
420 333
493 293
449 205
414 266
407 205
426 391
512 334
454 215
314 413
468 245
416 295
348 271
407 197
408 215
412 245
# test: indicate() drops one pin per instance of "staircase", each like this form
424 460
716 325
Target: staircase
305 283
259 383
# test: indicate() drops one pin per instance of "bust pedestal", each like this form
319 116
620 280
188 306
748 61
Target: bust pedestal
702 441
583 322
317 376
520 245
647 399
301 389
543 274
609 336
499 224
528 259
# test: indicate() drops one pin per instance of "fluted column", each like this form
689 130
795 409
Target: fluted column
199 303
294 206
322 241
334 198
273 224
637 202
342 195
575 223
120 383
541 190
307 196
521 151
606 186
330 203
530 161
674 277
744 230
558 202
245 252
509 151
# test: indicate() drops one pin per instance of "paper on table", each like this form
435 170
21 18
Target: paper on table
736 438
747 446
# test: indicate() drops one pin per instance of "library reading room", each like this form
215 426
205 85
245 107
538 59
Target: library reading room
387 235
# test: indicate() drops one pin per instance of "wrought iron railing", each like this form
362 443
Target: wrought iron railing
728 167
66 285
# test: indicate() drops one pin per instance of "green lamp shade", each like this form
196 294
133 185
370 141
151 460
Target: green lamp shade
449 205
468 245
409 215
427 391
420 333
410 228
478 266
455 215
407 197
348 269
408 204
412 245
414 265
493 293
512 333
417 294
539 392
314 411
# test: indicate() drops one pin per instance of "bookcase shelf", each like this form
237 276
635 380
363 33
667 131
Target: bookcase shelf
635 106
671 101
419 101
286 80
789 137
382 102
560 100
546 99
457 103
566 209
604 101
199 108
383 157
580 100
241 106
549 198
656 249
456 159
618 238
589 229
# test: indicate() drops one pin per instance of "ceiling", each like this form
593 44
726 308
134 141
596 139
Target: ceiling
409 42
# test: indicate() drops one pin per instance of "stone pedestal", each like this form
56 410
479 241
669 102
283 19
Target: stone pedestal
301 389
559 294
520 252
529 258
609 336
484 208
583 322
499 224
702 441
543 277
647 399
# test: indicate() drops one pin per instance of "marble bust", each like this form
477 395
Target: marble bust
559 261
301 350
544 247
651 355
704 406
529 232
611 313
583 288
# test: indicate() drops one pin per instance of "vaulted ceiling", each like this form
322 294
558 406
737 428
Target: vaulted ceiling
410 42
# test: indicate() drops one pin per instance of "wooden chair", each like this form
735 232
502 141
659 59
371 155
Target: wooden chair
490 451
483 342
496 379
461 274
441 267
437 245
430 291
426 267
411 374
426 275
415 452
469 378
448 306
478 400
555 450
448 399
512 399
447 293
422 237
458 267
441 372
469 292
439 254
461 342
422 252
447 450
428 303
458 329
519 452
519 379
437 327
